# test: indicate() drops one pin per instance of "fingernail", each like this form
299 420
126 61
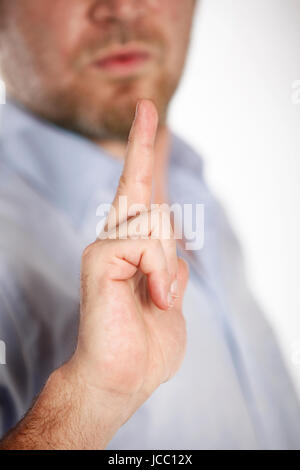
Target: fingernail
137 108
171 300
172 295
174 287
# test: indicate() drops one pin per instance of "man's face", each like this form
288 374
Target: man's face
83 64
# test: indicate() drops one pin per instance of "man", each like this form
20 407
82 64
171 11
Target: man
74 71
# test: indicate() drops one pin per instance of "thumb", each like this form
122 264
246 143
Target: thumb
182 277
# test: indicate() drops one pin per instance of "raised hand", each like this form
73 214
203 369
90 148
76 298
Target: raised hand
132 334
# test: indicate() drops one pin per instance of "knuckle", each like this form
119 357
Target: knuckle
87 252
123 182
92 251
140 179
146 146
184 267
155 244
143 179
163 211
173 272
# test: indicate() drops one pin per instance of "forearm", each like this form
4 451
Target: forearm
67 415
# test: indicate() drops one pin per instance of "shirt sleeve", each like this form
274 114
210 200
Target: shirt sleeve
16 378
39 325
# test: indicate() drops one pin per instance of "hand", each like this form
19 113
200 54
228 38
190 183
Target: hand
132 334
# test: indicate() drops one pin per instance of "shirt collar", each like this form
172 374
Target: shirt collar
63 166
68 169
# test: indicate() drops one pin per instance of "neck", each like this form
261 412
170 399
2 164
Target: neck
117 150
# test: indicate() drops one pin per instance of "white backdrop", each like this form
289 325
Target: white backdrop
235 106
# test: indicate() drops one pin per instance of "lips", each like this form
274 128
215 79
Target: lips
123 61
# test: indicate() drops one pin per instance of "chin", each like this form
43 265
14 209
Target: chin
106 111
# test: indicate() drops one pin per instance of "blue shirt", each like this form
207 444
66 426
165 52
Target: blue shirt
232 391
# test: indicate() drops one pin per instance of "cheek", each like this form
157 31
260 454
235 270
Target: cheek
173 8
177 10
70 27
176 19
64 24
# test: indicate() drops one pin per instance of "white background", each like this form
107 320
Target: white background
235 106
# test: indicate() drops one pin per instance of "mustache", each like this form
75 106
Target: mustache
152 40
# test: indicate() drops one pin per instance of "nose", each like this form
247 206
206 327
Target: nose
114 10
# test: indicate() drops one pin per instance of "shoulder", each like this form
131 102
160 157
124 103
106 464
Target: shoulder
185 156
188 185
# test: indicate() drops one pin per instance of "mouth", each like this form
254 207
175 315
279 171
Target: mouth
123 62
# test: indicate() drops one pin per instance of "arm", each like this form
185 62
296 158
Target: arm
68 415
132 332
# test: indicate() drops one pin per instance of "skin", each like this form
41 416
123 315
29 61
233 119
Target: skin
132 331
47 49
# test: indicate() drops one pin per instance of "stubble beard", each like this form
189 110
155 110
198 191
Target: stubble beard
87 113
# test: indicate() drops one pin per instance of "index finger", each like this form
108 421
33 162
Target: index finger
136 179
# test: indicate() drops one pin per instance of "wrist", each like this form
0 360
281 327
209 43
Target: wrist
96 414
